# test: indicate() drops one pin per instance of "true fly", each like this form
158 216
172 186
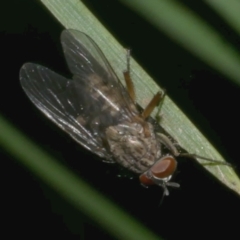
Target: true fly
96 110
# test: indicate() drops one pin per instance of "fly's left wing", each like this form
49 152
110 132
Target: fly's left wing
57 98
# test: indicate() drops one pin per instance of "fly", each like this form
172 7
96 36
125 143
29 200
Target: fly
97 111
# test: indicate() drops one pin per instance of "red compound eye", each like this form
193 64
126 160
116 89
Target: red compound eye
145 180
164 168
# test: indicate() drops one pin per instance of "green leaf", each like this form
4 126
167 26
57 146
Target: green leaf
229 10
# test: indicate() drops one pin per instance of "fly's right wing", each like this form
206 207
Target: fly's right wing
84 58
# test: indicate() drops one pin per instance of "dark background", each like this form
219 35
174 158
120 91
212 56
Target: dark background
28 33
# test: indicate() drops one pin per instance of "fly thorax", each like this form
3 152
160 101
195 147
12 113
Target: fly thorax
131 147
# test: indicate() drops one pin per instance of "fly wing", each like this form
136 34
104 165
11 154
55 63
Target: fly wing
57 97
85 58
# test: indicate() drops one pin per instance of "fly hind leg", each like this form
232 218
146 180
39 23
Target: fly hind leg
128 80
130 88
157 98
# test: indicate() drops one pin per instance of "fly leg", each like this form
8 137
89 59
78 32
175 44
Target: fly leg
128 80
157 98
130 88
170 145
